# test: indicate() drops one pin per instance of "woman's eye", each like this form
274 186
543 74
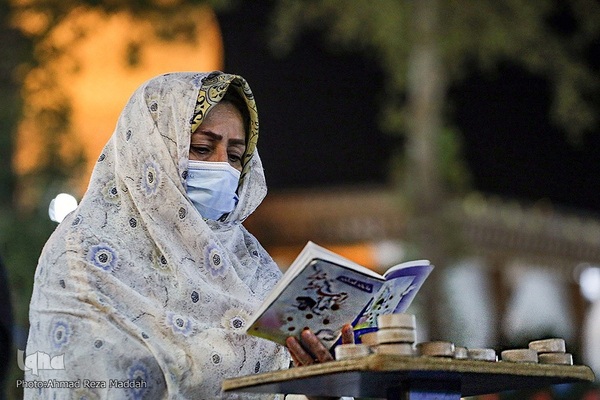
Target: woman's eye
234 158
200 149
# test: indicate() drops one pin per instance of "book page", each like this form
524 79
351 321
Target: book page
396 269
323 297
387 301
310 252
396 293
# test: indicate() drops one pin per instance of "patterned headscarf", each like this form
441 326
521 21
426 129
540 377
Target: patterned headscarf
212 91
134 285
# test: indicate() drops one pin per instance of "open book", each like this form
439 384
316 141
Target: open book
322 291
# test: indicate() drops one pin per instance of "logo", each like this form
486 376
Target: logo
39 361
360 285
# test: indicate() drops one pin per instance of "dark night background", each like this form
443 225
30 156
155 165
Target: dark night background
318 115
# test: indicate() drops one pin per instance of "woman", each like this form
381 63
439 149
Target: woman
145 289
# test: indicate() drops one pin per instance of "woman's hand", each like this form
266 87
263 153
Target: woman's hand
309 350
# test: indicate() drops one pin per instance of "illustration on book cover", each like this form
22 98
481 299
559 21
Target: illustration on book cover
325 297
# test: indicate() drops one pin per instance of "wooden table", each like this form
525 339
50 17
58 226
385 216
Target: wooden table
409 378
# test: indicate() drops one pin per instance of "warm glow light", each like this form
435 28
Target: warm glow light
31 22
61 206
95 77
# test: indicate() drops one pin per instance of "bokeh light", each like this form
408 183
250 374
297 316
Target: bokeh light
61 206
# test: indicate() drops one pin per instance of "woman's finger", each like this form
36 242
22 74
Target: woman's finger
347 334
299 355
312 343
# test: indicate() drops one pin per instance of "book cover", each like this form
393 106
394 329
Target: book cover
323 291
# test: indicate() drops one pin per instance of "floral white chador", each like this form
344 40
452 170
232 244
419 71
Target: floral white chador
142 297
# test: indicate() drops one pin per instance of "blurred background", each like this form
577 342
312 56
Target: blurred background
463 132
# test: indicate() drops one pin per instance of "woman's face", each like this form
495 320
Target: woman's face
220 137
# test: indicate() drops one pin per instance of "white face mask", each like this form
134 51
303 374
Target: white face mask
212 187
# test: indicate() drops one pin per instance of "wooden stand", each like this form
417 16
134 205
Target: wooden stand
409 378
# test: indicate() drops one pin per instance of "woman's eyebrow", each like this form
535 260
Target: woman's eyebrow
211 134
217 137
237 142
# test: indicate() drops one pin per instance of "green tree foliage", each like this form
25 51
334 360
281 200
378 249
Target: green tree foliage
437 42
424 46
14 51
548 37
